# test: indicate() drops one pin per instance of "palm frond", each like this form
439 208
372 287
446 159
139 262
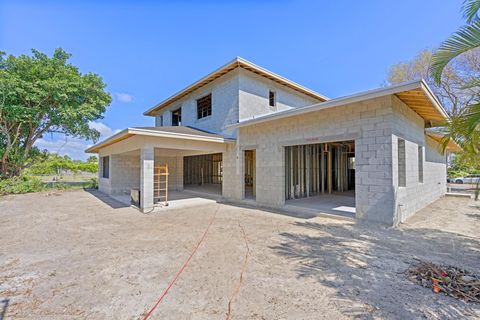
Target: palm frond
465 39
470 10
464 130
471 119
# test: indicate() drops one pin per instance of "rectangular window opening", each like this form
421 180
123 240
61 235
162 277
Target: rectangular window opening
177 117
106 167
204 106
159 121
420 164
402 166
271 99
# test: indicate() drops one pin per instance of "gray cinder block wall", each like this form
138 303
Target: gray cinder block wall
409 126
371 124
124 174
238 95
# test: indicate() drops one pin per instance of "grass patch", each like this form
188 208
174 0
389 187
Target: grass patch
28 184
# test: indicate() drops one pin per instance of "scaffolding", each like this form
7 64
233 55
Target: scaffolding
160 185
319 168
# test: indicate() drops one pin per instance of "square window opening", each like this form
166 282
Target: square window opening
204 106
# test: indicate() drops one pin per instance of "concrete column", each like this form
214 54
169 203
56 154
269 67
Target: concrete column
147 158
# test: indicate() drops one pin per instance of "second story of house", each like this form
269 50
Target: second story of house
235 92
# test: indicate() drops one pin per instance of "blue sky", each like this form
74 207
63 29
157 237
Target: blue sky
147 50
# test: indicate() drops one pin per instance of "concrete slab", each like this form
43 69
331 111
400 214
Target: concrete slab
205 189
178 199
340 204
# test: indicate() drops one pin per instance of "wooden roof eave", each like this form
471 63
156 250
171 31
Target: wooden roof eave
236 63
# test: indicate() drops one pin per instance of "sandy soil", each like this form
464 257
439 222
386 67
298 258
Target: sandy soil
77 255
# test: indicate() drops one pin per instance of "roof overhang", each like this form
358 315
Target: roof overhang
232 65
130 132
416 94
451 146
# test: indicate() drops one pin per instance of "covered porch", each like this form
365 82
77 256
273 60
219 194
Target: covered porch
137 159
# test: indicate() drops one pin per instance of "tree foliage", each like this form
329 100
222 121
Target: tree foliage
454 91
54 163
464 127
39 94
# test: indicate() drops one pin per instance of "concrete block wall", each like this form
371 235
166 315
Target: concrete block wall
147 163
175 167
124 174
368 123
409 126
232 187
224 106
236 96
254 96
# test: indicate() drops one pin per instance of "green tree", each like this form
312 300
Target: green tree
464 126
92 159
39 94
453 91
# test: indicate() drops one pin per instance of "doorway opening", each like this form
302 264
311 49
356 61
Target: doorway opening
250 174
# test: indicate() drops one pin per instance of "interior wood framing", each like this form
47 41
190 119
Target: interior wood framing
250 174
320 168
202 169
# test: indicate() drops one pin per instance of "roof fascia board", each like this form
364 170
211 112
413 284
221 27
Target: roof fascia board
166 134
231 63
274 75
357 97
433 99
237 62
154 133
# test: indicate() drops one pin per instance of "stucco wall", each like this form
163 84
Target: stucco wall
415 195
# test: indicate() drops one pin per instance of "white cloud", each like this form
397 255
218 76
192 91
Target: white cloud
105 131
123 97
73 147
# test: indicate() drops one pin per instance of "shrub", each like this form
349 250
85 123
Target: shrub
91 184
23 184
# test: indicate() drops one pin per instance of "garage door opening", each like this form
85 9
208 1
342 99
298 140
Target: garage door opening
321 177
203 173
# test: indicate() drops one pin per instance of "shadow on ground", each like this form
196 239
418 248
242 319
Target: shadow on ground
114 204
365 265
3 308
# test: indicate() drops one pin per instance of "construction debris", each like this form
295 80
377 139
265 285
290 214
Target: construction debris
449 280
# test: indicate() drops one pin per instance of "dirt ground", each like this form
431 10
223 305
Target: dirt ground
75 255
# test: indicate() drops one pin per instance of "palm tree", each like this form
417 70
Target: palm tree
464 127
